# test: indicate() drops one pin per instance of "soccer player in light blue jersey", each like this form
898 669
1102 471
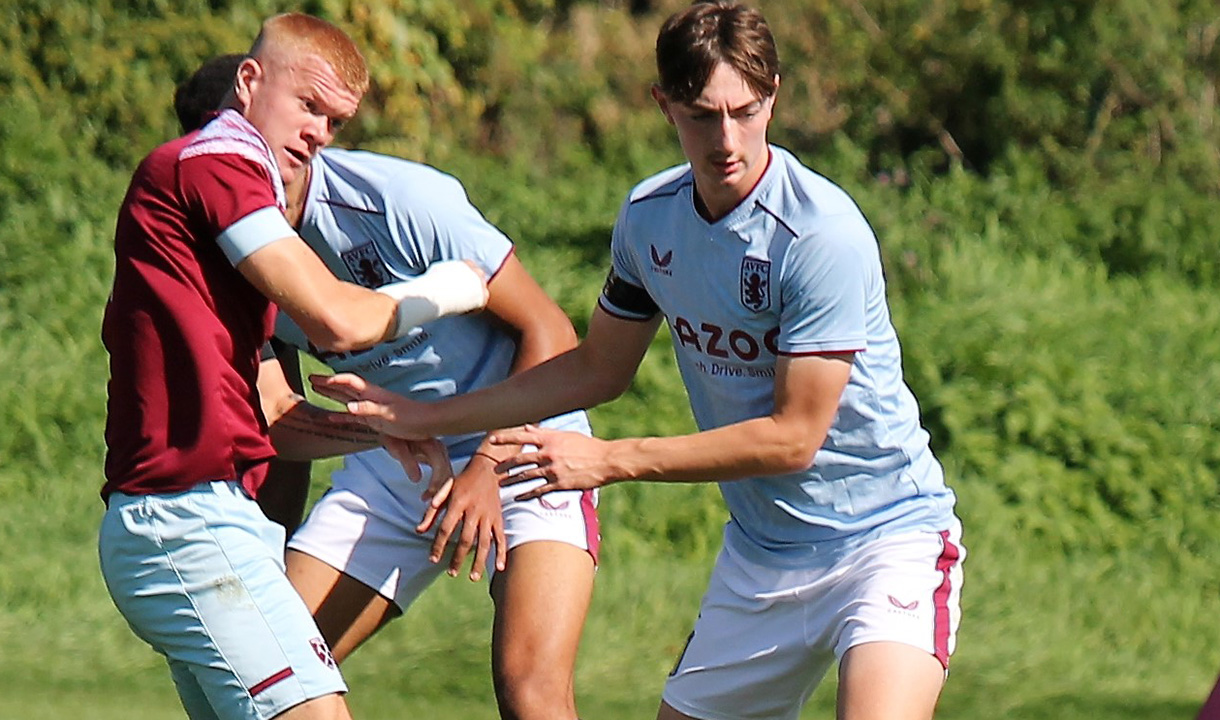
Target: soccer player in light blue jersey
372 544
842 541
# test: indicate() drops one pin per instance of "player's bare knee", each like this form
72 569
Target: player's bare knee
526 695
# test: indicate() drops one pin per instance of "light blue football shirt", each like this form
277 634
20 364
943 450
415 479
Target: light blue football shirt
374 220
794 270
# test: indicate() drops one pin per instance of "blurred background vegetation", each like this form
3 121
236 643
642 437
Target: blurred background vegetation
1043 177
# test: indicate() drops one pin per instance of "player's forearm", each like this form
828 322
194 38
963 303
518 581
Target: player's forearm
535 348
355 318
563 383
308 432
757 447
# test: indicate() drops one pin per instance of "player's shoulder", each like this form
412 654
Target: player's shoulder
229 133
164 156
665 184
405 181
807 202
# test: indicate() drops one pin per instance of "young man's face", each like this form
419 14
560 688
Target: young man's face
723 134
297 103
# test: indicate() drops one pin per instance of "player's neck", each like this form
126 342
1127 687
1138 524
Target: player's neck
294 196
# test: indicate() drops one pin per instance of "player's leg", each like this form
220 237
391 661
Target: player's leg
749 654
541 600
357 560
329 707
347 611
900 625
890 681
199 576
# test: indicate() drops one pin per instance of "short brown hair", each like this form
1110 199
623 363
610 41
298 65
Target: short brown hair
306 33
693 41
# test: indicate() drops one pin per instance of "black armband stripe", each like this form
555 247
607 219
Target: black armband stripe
630 298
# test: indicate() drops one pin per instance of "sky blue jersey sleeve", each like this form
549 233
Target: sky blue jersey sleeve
825 287
624 294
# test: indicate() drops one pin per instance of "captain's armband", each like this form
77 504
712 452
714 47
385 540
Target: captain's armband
633 299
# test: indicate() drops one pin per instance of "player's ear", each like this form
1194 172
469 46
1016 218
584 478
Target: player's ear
662 102
249 75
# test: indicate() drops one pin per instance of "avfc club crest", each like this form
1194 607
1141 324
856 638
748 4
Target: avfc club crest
366 266
756 284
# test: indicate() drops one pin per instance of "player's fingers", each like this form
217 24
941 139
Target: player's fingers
404 453
466 540
433 452
443 532
530 495
480 554
425 524
524 435
501 542
482 277
523 458
437 494
365 410
531 472
338 386
430 514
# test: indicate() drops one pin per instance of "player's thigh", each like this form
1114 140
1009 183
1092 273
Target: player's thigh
888 681
357 559
199 576
347 611
330 707
901 589
541 599
751 653
543 594
194 700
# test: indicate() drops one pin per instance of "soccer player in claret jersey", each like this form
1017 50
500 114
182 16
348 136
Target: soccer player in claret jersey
372 544
202 249
842 540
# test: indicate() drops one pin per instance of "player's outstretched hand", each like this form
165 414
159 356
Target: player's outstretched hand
383 410
565 460
412 453
469 505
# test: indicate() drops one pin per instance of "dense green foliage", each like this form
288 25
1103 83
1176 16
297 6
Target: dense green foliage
1043 178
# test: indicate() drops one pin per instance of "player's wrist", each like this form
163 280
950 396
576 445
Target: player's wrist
447 288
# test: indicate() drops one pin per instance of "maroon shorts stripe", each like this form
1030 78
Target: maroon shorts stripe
281 675
593 530
940 599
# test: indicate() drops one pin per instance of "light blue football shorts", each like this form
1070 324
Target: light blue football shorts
199 576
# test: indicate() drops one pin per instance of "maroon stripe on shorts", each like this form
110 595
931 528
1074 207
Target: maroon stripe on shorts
940 599
593 529
281 675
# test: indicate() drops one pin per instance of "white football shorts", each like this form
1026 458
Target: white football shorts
765 636
199 576
365 524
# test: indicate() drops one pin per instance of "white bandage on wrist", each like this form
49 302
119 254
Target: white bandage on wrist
447 288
